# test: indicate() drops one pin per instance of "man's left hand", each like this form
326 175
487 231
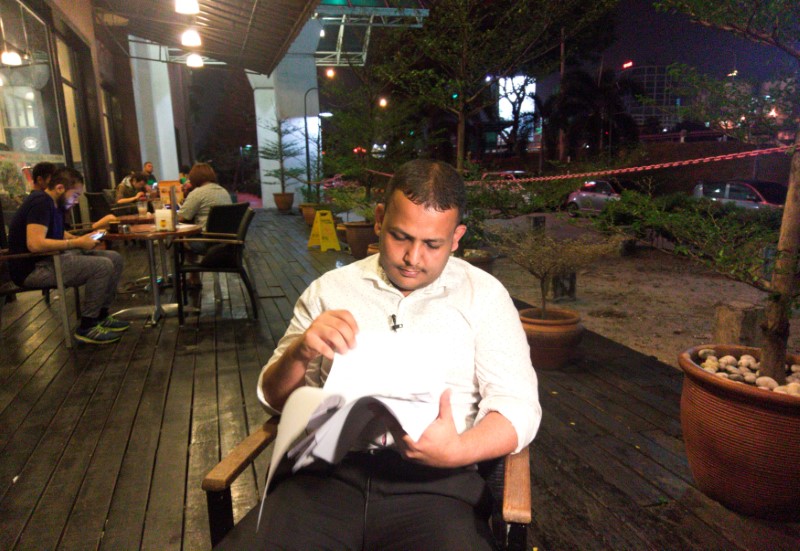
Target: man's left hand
440 445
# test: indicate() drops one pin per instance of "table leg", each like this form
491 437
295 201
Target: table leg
158 312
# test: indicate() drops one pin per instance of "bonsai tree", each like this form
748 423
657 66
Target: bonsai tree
546 257
282 149
774 23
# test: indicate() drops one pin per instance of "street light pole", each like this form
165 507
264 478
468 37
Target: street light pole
305 123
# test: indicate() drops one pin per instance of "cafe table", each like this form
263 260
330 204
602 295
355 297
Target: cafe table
149 234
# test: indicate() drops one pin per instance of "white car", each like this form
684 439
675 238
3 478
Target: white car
592 196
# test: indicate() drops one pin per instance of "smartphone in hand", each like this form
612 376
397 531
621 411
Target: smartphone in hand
99 235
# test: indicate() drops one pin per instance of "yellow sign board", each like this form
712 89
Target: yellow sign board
323 232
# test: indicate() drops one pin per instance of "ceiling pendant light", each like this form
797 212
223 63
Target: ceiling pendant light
194 61
8 57
188 7
191 38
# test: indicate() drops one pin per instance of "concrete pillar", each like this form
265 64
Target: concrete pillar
281 96
151 90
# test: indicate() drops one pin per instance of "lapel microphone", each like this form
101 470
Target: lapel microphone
395 326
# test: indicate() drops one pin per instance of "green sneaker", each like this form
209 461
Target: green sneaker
113 324
97 335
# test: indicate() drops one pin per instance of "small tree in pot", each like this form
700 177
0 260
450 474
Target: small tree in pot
283 150
553 333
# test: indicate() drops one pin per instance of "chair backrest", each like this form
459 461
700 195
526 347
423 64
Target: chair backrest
226 218
98 205
244 225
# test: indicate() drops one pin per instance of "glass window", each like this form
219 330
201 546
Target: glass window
739 192
715 191
29 120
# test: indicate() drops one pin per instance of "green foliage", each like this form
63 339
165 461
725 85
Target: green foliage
544 256
727 238
734 106
350 197
282 149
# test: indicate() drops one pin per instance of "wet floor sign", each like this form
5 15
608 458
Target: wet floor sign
323 232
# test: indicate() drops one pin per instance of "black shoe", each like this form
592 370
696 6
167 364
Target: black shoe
97 335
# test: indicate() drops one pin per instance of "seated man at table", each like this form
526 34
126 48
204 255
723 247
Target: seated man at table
38 227
41 174
206 193
133 188
394 492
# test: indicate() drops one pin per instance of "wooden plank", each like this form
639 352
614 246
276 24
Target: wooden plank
132 492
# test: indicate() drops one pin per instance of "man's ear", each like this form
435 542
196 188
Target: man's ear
461 229
380 212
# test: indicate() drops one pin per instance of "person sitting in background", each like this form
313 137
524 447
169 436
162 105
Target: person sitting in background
149 175
133 188
41 174
206 194
183 177
38 227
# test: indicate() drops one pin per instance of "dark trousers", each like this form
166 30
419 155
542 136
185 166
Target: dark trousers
378 501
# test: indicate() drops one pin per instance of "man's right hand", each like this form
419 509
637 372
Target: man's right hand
84 242
333 331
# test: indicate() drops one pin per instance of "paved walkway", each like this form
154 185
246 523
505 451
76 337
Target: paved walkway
105 447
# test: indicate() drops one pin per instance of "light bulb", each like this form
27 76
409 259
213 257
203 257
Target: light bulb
191 38
10 58
194 60
188 7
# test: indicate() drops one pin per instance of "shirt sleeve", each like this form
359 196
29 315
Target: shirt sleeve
306 310
190 206
40 212
506 379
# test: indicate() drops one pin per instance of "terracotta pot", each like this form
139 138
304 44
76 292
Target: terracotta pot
741 441
480 259
309 211
283 201
552 340
359 236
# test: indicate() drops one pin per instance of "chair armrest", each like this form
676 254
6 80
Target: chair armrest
517 488
220 235
5 254
225 472
205 240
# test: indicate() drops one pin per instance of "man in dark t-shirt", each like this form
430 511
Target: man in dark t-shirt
38 227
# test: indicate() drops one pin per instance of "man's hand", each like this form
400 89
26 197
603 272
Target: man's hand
84 242
104 221
333 331
440 445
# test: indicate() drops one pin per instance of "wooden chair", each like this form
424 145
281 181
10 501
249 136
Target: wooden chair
226 231
508 479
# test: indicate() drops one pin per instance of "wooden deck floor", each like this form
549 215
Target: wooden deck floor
105 447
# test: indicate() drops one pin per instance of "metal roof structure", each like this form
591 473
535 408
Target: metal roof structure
252 34
347 26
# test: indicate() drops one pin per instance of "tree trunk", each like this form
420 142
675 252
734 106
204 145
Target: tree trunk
779 304
461 140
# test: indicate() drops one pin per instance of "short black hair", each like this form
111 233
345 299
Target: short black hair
432 184
184 169
43 170
67 177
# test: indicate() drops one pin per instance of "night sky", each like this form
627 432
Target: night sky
648 37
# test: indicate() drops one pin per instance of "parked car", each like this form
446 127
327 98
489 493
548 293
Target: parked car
592 196
749 194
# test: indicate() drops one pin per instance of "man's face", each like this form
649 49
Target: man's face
139 184
69 198
148 167
416 242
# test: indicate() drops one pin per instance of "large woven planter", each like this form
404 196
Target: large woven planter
742 442
359 236
552 340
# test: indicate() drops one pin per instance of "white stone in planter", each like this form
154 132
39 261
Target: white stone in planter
766 382
705 353
728 360
751 378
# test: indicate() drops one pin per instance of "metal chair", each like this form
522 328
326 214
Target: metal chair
226 231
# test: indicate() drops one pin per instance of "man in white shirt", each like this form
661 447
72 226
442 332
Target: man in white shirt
408 494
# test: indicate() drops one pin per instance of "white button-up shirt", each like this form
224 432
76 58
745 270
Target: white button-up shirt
469 312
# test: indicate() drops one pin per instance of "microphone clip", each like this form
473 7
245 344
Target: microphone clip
395 326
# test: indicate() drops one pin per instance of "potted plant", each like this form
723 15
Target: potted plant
310 203
553 333
282 150
353 199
